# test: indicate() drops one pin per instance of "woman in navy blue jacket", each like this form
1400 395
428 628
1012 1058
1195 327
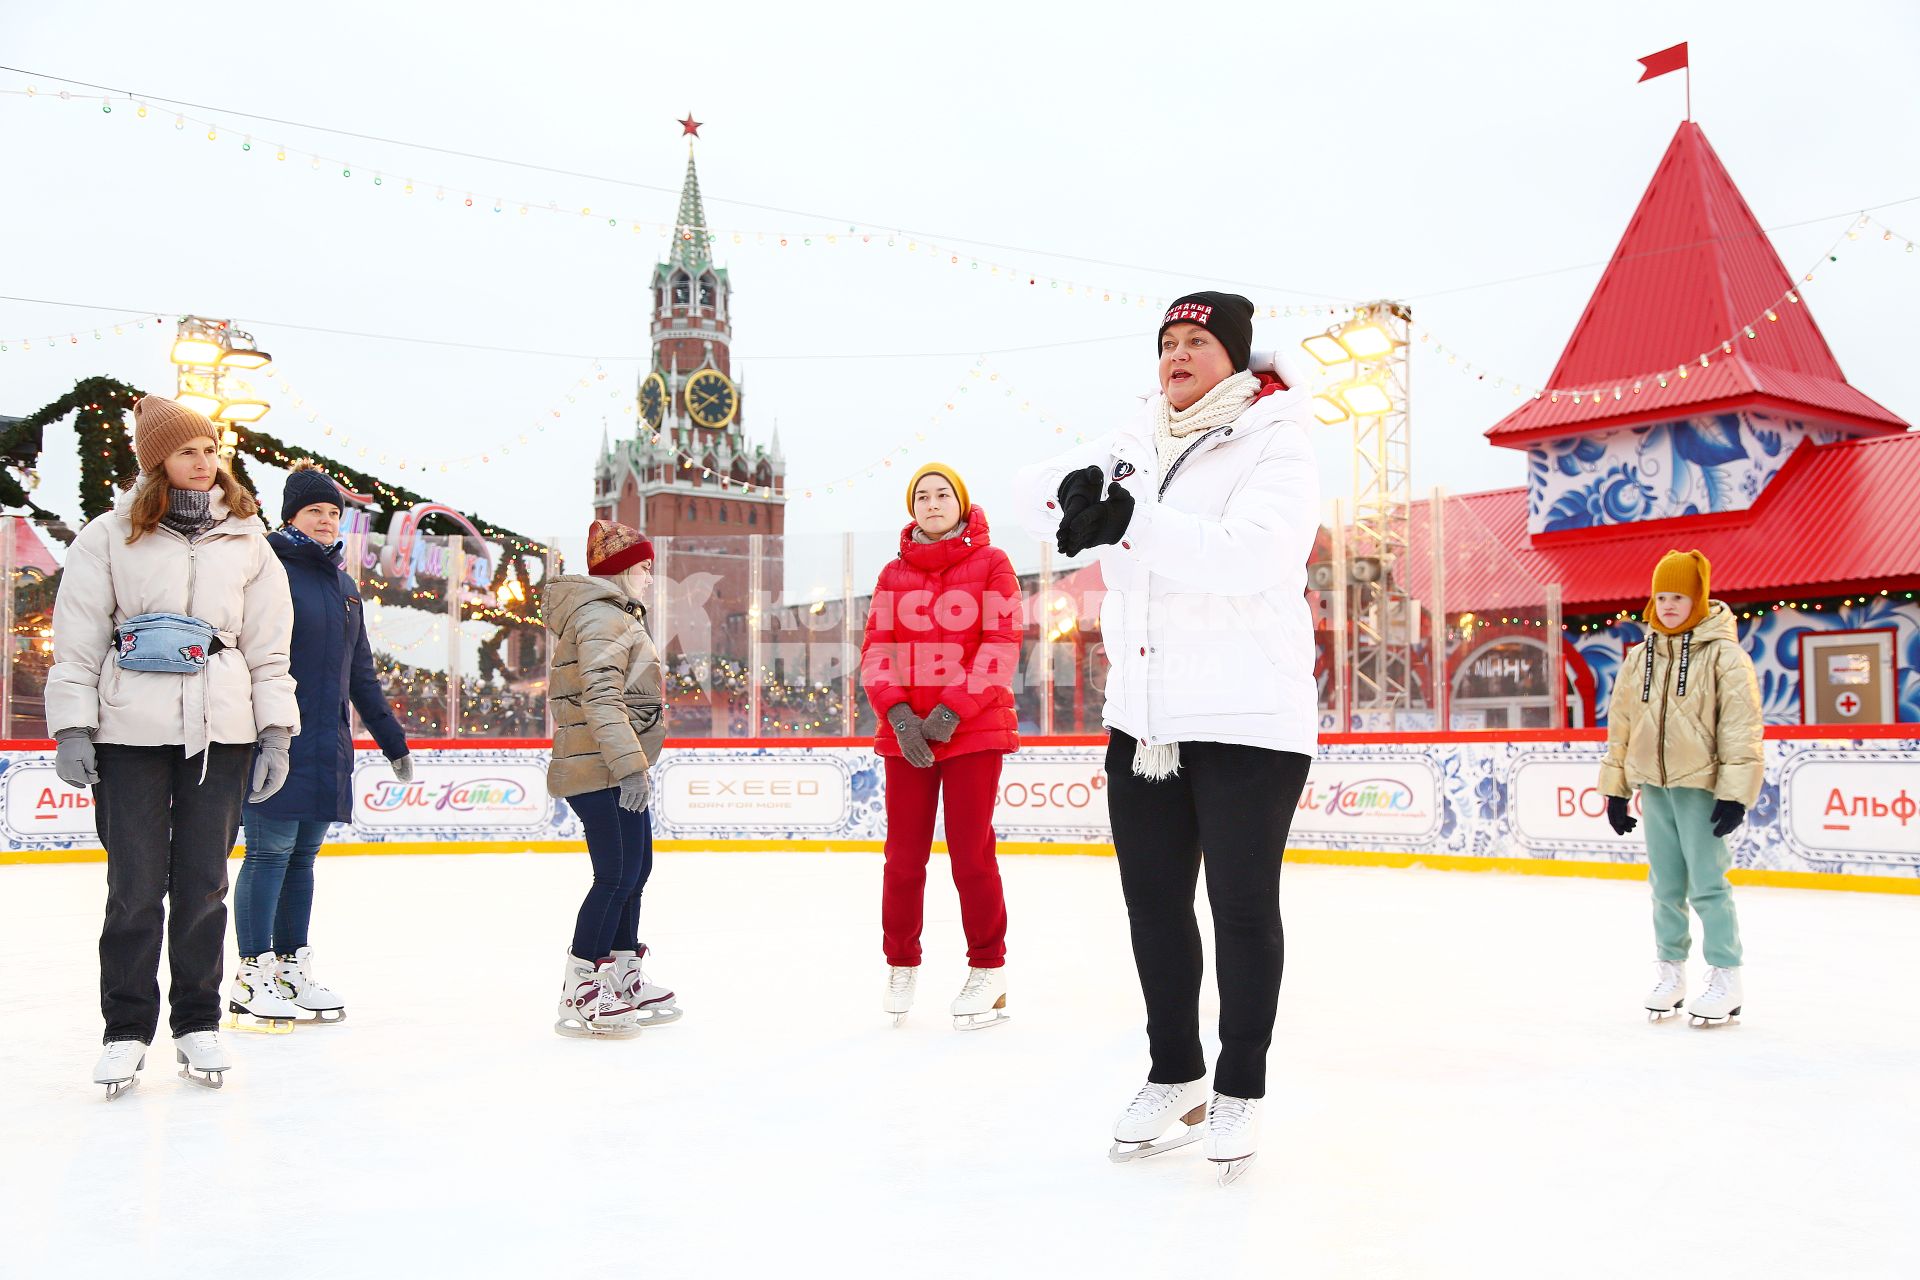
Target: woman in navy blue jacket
333 666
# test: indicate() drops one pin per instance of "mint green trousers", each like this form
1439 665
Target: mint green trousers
1687 863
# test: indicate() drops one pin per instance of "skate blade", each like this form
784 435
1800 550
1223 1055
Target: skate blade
117 1087
1700 1021
900 1019
579 1031
322 1018
1126 1152
980 1021
206 1079
1231 1170
259 1026
659 1017
1662 1015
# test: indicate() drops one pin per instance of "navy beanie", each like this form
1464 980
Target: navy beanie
304 488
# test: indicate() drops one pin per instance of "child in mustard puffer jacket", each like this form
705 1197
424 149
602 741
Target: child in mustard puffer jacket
1684 726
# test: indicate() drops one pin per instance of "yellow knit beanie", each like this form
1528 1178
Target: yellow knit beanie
946 473
1684 573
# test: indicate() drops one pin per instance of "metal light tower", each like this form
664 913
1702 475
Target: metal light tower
1374 394
204 351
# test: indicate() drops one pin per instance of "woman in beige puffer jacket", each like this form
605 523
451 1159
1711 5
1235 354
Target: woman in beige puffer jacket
609 721
168 754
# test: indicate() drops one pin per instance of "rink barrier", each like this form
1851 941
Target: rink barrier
1835 812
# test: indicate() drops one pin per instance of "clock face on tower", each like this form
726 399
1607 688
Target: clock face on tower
653 399
711 399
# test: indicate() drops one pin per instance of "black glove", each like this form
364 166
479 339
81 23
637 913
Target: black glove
1080 490
940 723
907 731
1727 814
1098 525
1618 818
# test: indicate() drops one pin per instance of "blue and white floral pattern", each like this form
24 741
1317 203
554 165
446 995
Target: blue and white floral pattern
1715 462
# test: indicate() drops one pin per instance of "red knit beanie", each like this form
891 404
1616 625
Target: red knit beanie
613 548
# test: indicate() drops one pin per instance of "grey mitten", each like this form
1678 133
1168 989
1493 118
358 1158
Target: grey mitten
939 724
271 761
74 760
913 741
402 767
636 792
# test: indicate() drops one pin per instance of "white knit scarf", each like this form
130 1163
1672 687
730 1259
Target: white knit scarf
1227 401
1172 429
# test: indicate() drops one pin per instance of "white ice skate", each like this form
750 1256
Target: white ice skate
982 1002
296 975
1720 1001
1233 1131
119 1066
257 1000
901 981
1669 990
1138 1132
653 1005
590 1008
203 1059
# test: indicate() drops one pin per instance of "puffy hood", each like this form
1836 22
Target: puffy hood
567 594
1717 625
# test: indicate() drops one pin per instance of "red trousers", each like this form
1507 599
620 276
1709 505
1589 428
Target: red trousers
970 784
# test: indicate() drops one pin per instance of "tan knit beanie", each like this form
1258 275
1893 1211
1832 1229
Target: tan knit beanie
160 426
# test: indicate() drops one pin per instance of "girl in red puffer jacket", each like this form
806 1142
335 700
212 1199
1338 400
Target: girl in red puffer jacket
937 662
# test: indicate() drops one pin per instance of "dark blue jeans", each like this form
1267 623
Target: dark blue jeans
621 846
273 900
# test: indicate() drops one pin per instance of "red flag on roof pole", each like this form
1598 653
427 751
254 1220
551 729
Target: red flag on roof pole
1673 59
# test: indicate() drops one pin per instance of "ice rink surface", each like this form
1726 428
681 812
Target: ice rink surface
1462 1085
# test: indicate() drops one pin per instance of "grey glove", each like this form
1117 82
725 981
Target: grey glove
636 792
271 761
913 741
74 759
940 723
402 767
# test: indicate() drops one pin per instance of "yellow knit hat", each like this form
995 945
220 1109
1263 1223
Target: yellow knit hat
1684 573
946 473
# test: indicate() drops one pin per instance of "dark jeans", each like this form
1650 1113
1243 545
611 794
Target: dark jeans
273 898
1235 803
620 843
168 835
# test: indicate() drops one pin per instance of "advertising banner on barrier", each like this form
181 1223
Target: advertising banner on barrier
38 806
453 791
1392 799
1859 803
1054 791
766 790
1557 804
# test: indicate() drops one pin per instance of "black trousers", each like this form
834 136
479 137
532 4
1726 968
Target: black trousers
1229 807
168 836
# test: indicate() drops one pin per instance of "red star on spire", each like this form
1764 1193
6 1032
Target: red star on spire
690 127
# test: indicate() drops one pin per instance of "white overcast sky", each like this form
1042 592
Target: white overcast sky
1424 151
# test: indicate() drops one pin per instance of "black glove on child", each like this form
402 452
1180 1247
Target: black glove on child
1727 814
1618 818
1098 525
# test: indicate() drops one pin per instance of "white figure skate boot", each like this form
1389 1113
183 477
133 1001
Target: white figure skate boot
296 974
1669 990
590 1006
1137 1134
1233 1131
203 1058
257 1000
653 1005
1721 1000
119 1066
902 979
982 1002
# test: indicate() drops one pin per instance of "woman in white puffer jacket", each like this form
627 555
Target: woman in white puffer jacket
168 753
1202 511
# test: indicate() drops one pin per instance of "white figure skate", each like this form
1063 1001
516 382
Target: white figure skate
257 1000
1669 990
653 1005
1233 1131
296 975
982 1002
203 1059
119 1067
1721 1001
902 979
590 1007
1139 1131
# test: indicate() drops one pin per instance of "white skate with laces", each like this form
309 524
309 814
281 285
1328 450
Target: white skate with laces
902 979
653 1005
1233 1131
591 1007
1139 1131
1721 1000
982 1002
296 975
257 999
120 1065
1669 990
203 1058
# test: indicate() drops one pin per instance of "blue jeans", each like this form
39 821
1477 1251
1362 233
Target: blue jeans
620 843
273 900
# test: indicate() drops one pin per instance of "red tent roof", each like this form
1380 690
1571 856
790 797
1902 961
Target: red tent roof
1838 518
1692 270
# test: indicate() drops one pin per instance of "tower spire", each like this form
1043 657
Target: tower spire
692 242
